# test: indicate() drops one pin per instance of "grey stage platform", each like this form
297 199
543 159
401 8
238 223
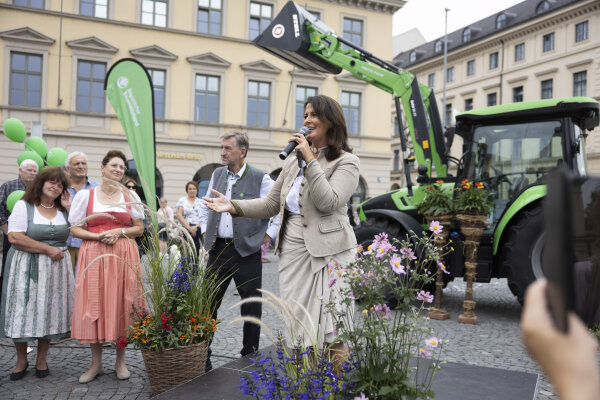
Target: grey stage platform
454 381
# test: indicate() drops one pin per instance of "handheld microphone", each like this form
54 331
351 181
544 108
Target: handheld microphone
292 145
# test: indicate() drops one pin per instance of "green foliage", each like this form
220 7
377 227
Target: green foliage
436 201
473 198
394 351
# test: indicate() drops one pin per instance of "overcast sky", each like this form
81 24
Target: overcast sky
428 15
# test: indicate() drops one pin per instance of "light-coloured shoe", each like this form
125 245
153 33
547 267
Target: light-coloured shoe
122 375
90 375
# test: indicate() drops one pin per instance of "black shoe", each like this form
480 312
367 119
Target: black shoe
42 373
15 376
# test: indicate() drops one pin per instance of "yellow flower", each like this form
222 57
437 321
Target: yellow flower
145 340
364 311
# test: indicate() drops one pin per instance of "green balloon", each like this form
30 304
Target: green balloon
56 156
15 130
38 145
12 199
31 155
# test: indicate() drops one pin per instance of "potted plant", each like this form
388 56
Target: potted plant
436 202
175 330
472 206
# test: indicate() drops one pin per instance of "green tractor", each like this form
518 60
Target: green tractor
509 148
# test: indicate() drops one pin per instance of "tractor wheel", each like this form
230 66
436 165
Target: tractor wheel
522 251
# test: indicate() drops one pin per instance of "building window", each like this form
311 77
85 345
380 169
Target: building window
94 8
154 12
546 89
466 35
90 86
548 42
438 47
431 80
449 114
470 67
158 84
302 93
468 104
209 16
581 31
315 14
353 31
520 52
542 6
450 74
396 160
412 57
494 60
351 106
501 21
492 99
207 98
517 94
260 17
29 3
580 83
259 103
25 80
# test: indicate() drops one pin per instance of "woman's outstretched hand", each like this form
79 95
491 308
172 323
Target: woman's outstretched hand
219 203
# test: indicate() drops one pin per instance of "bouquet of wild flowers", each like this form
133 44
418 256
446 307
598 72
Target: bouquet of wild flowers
437 201
390 347
473 198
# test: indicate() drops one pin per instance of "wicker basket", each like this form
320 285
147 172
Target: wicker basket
173 367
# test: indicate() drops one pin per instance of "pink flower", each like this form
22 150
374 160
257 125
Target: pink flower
424 353
408 253
397 267
425 296
442 267
383 310
383 248
435 227
432 342
362 397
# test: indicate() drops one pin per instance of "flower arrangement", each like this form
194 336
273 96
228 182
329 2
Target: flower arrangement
389 347
473 198
184 318
437 201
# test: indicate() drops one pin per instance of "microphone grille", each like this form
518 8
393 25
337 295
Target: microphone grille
304 131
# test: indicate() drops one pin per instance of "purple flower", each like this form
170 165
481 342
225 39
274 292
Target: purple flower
424 353
442 267
397 267
432 342
425 296
408 253
435 227
362 397
383 310
332 282
383 248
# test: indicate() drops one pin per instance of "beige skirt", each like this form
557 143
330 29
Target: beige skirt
306 292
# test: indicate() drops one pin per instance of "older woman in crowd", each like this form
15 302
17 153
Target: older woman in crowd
38 293
188 212
107 288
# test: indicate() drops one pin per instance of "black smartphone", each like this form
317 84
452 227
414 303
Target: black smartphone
571 255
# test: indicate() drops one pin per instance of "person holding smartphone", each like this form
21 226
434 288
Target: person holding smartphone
569 359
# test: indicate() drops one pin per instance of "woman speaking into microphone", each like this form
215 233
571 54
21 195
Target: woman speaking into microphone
311 199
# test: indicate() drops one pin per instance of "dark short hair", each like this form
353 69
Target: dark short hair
330 111
126 181
33 193
112 154
191 183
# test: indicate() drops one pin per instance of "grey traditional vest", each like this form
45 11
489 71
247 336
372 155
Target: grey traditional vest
248 233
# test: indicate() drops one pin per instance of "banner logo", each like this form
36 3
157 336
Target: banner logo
296 25
122 82
278 31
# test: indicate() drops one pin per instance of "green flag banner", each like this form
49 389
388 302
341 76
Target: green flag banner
129 90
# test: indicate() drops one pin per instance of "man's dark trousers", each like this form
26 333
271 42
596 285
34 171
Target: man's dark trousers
226 263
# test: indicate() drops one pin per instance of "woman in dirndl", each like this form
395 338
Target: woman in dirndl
38 290
108 218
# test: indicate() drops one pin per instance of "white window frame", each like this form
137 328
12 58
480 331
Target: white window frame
169 14
273 3
305 79
224 4
343 16
206 67
110 13
348 83
44 8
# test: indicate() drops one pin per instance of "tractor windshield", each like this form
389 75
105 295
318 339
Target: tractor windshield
510 158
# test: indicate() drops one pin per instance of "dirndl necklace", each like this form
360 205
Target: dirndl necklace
45 206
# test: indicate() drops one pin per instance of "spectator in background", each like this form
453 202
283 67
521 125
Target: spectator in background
27 172
164 217
76 166
568 359
188 213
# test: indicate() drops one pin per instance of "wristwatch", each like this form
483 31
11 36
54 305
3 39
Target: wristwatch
123 232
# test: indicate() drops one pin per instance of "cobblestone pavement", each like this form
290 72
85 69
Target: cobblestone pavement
493 342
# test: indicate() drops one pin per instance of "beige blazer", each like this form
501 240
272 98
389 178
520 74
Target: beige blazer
326 188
